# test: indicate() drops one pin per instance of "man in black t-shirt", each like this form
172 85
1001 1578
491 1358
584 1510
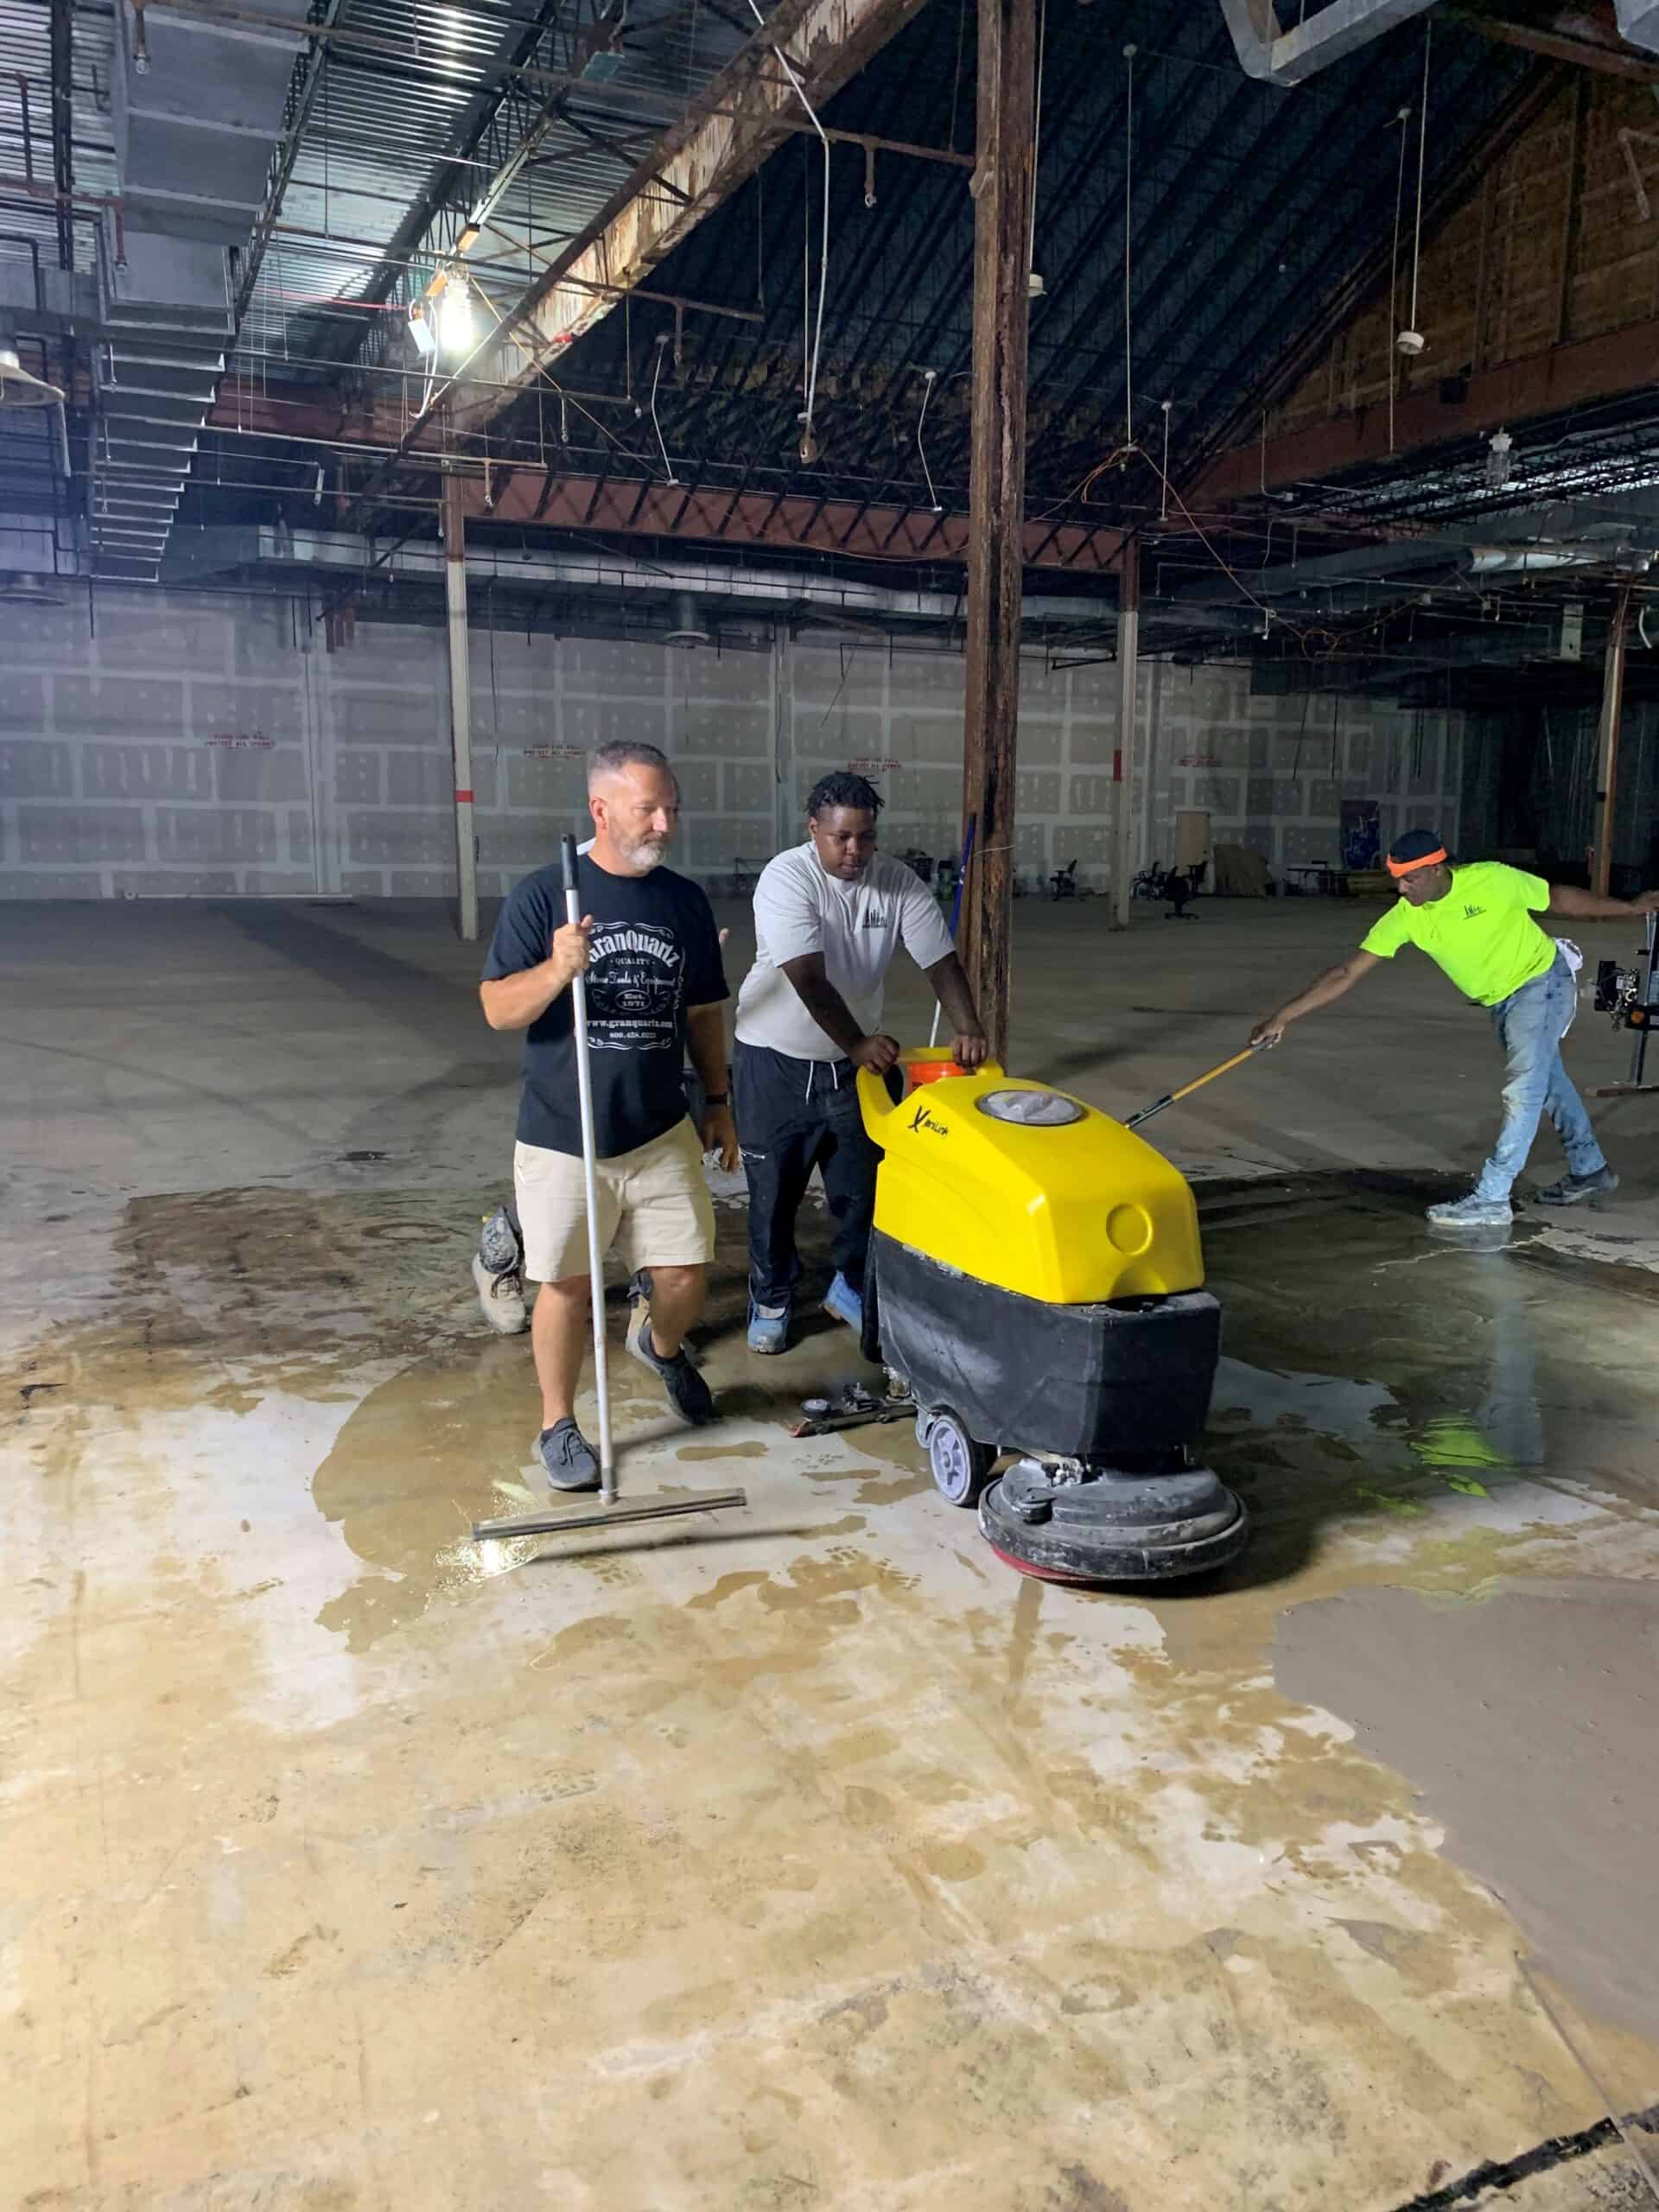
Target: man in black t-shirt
649 947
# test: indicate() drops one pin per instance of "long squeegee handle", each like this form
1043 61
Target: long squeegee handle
1187 1088
590 1181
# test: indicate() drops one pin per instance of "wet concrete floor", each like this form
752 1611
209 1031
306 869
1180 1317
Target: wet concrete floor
808 1857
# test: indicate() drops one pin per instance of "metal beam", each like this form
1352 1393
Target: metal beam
1569 35
1002 185
630 506
1540 383
797 520
697 165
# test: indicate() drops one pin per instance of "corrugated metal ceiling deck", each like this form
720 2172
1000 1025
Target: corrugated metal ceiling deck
380 141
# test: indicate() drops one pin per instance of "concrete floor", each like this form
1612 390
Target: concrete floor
807 1858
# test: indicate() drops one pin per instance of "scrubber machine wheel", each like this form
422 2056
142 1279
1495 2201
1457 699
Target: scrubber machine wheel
960 1466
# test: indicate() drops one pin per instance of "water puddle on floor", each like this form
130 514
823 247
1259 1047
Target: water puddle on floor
1484 1364
1386 1420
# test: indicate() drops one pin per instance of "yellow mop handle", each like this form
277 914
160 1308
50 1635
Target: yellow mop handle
1187 1088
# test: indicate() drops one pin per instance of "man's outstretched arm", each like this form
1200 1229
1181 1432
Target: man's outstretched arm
1584 907
1322 991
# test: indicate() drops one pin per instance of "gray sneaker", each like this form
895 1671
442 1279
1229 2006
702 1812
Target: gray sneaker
501 1298
687 1392
567 1459
1573 1188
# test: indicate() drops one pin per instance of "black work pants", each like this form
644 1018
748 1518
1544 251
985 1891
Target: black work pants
794 1116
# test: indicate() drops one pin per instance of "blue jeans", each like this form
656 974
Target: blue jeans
1530 1023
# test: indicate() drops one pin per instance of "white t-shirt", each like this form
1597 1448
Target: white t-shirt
858 927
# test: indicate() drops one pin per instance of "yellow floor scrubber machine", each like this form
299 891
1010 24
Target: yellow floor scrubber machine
1035 1279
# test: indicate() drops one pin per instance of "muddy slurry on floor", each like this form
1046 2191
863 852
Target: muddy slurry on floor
817 1859
1526 1716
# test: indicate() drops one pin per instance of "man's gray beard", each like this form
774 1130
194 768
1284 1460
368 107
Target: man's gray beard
650 852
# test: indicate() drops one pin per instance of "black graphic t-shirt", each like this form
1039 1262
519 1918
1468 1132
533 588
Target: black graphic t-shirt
656 951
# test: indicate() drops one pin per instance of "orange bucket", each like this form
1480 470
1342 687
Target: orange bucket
921 1071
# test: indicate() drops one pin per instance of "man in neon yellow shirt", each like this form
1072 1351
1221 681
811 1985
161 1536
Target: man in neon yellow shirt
1476 923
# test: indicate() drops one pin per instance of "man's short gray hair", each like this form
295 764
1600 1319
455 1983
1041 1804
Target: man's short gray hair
611 759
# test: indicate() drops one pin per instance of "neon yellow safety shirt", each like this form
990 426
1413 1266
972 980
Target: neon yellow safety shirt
1482 933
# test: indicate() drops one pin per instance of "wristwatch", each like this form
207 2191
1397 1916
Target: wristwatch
717 1097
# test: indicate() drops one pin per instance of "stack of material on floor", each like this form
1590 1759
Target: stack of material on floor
1240 872
1370 883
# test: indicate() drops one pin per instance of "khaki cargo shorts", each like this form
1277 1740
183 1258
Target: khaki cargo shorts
653 1205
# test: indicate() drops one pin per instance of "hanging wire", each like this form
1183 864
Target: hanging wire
1037 137
816 346
1403 119
655 379
806 262
1129 205
933 378
1163 508
1422 155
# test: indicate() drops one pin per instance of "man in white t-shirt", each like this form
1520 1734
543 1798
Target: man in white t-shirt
829 916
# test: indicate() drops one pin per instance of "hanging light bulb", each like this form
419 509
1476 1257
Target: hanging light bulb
1498 463
455 317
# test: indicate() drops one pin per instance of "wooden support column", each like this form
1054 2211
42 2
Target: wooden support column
1128 625
1612 709
1001 186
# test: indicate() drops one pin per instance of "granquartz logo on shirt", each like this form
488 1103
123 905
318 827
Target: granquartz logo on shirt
874 918
1473 913
636 975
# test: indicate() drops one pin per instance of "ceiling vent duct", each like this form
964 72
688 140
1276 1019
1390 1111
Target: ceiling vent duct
197 109
688 630
1638 23
1266 49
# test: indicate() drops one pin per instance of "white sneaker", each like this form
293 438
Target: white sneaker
1472 1212
501 1297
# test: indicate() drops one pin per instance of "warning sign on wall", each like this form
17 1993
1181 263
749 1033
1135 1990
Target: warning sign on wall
874 767
251 740
554 752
